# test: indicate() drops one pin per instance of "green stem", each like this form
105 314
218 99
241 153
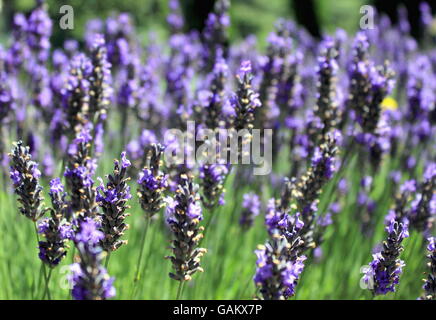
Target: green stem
42 263
106 263
179 290
212 211
47 288
141 253
72 254
147 257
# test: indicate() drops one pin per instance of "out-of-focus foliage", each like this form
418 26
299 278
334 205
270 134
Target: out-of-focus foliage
248 16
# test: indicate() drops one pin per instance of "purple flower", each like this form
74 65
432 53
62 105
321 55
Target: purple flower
183 217
152 181
408 186
430 283
212 182
194 211
244 69
56 230
125 163
39 30
89 278
277 274
89 233
426 15
25 176
113 199
251 204
384 271
56 186
15 177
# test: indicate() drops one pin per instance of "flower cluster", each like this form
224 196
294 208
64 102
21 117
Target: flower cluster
212 183
100 79
39 27
384 271
246 100
423 207
78 173
214 115
327 106
276 276
430 283
25 178
274 77
308 187
76 93
56 230
152 182
251 208
183 216
89 278
400 210
216 39
113 201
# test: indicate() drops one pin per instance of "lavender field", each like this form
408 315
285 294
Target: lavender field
191 166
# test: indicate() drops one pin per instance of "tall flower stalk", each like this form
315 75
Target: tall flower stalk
183 217
384 271
152 185
57 231
113 198
25 176
89 279
276 276
78 174
279 261
430 283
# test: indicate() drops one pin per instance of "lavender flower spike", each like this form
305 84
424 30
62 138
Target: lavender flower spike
384 272
246 100
25 178
309 186
430 283
56 230
423 208
327 106
276 276
89 278
39 30
113 201
183 217
100 79
251 204
212 183
78 174
76 94
152 181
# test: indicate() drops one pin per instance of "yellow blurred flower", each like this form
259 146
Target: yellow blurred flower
389 103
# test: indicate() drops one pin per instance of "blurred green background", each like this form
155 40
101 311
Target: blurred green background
248 16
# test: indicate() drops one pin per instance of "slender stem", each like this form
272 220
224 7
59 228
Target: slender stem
147 257
212 211
39 280
144 236
106 263
47 288
179 290
42 262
